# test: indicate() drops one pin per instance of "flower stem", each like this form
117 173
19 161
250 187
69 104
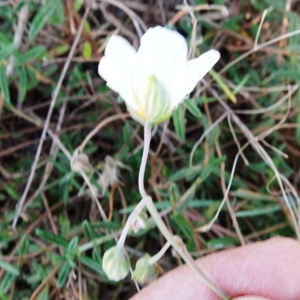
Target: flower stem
147 138
137 210
181 250
155 258
178 246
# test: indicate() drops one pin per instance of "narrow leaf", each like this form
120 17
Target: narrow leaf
6 283
53 238
73 245
43 15
183 225
257 212
193 108
87 50
221 243
24 245
22 83
7 50
92 264
59 50
9 268
32 54
178 121
223 85
4 85
63 275
44 294
88 230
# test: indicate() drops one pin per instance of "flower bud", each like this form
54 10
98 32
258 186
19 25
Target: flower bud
115 264
145 272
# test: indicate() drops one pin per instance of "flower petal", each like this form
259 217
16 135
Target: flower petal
196 69
163 53
120 51
117 65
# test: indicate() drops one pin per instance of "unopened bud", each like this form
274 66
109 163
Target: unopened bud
145 272
115 263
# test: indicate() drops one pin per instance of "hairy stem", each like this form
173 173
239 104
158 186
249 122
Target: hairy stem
137 210
147 138
176 243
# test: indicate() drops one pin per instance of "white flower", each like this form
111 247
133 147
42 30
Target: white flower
155 79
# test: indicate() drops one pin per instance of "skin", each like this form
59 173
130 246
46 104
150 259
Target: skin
262 270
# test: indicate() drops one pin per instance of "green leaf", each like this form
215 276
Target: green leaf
183 225
63 275
221 243
43 15
244 193
64 225
174 194
78 4
88 230
11 191
33 53
184 173
193 108
24 245
44 294
7 50
59 50
222 85
178 121
73 245
212 209
87 50
3 297
53 238
6 283
92 264
59 16
87 27
241 84
213 163
22 83
257 212
287 74
9 268
4 84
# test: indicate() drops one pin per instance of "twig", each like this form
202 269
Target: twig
223 184
205 133
136 20
98 127
47 121
259 27
39 288
264 155
258 47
